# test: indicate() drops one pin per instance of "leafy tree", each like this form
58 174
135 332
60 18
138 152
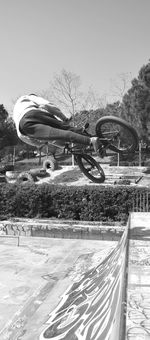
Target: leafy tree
92 116
3 114
113 109
8 134
3 117
136 102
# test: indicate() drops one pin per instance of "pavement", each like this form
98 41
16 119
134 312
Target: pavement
34 276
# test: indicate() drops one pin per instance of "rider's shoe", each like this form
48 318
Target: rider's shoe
68 120
96 144
102 152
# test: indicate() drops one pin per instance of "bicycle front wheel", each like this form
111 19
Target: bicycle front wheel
90 168
117 134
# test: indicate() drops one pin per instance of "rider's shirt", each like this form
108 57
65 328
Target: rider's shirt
23 105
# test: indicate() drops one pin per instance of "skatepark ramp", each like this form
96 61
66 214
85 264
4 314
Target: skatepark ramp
111 301
91 308
103 299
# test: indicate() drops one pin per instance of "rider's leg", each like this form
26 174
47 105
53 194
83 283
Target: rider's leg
40 131
45 132
39 125
43 117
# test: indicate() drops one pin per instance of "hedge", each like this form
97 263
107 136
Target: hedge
89 203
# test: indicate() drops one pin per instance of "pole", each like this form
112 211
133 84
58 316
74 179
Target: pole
118 156
73 114
14 155
140 153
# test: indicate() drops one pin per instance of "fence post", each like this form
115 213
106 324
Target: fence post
118 156
140 155
14 155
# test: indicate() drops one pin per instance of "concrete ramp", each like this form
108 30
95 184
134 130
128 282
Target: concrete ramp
91 307
75 289
35 273
138 286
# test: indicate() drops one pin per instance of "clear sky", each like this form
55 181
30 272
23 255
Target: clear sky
95 39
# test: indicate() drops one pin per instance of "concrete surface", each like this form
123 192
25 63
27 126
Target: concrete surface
69 289
34 276
138 287
91 308
112 174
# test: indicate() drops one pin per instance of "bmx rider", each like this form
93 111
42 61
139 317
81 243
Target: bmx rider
36 119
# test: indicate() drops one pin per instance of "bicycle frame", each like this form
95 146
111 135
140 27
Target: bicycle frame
76 150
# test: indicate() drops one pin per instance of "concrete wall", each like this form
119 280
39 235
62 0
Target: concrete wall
60 229
138 283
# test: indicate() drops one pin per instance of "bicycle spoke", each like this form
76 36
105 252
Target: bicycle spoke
116 134
90 168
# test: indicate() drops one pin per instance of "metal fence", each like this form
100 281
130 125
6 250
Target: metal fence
141 202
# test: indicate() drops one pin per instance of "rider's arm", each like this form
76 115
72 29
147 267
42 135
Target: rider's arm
55 111
44 104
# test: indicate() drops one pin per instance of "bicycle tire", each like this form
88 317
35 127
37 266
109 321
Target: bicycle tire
130 140
87 160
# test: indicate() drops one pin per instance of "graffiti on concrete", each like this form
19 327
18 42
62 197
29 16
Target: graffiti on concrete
91 307
138 316
138 301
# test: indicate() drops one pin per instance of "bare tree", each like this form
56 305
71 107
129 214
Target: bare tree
92 101
65 91
120 85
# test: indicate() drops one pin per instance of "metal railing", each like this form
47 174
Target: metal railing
141 202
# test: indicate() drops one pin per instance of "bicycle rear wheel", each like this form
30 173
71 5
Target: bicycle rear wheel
90 168
117 134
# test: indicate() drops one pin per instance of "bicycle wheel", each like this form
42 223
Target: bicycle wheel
116 134
90 168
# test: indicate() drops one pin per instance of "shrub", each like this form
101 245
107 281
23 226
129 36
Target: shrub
91 203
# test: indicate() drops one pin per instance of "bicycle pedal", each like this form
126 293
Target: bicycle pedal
102 153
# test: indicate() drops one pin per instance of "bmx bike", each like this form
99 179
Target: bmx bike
115 134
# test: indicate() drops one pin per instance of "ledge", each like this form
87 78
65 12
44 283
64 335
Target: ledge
60 229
